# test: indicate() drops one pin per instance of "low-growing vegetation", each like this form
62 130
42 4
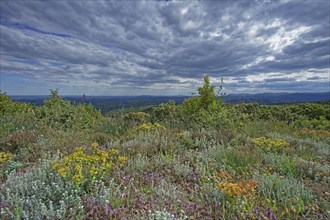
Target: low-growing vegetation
203 159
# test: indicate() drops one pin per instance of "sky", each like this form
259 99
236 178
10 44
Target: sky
163 47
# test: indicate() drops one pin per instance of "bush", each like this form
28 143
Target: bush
61 114
165 112
206 101
136 117
269 145
87 164
9 107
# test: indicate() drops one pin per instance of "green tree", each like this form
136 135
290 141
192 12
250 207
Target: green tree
207 96
206 101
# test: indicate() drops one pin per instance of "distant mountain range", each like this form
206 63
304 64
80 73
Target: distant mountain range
107 103
278 98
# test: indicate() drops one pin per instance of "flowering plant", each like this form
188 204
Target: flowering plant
5 157
87 164
270 145
242 188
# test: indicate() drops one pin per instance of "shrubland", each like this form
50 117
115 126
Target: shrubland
204 159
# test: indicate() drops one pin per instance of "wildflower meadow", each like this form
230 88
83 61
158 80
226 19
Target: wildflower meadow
202 159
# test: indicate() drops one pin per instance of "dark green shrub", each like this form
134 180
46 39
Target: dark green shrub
61 114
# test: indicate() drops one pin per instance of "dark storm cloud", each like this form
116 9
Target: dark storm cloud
150 44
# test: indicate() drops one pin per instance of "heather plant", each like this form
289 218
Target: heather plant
164 215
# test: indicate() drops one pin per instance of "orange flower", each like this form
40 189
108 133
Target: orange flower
237 189
225 175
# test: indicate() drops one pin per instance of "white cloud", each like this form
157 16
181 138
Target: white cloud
146 45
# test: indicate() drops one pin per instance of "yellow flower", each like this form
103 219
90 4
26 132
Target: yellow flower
78 168
113 152
95 144
62 171
93 171
269 144
122 159
109 166
84 165
77 178
5 157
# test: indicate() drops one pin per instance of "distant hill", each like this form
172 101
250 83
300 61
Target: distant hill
108 103
277 98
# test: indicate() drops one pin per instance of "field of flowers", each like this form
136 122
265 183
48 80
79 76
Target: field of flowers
199 160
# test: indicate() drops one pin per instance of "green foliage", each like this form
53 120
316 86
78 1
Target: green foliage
165 112
284 192
212 161
87 164
239 161
9 107
281 164
207 97
61 114
136 117
149 127
206 101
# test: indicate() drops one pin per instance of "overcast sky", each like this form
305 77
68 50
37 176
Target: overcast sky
163 47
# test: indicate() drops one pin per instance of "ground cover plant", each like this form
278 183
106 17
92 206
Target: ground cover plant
203 159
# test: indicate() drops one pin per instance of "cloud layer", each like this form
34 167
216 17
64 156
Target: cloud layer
163 47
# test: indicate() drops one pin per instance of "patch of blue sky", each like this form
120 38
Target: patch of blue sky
30 28
16 84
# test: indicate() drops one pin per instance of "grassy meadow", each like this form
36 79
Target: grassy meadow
203 159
